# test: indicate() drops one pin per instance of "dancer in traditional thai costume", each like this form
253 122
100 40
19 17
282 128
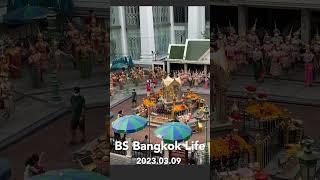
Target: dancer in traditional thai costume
73 36
276 68
286 58
316 50
43 48
308 57
296 48
83 56
231 55
34 61
258 65
242 50
267 48
206 82
277 38
253 42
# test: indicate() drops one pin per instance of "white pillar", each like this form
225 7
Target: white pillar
185 67
172 36
196 22
146 33
124 38
129 151
305 25
205 68
168 67
242 20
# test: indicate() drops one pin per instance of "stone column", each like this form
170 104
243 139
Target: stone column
147 33
172 36
124 38
205 68
196 22
168 67
242 19
305 25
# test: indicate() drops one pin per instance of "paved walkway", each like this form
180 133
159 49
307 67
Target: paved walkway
290 88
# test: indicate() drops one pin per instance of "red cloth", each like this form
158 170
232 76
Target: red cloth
148 87
260 175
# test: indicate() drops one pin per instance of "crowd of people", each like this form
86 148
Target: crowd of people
274 54
194 78
86 46
153 77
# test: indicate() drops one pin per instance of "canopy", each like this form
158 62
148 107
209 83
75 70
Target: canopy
25 15
69 174
122 62
129 124
173 132
62 6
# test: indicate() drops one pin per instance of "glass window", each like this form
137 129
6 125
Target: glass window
180 14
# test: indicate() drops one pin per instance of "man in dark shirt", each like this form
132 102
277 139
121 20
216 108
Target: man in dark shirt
134 98
78 114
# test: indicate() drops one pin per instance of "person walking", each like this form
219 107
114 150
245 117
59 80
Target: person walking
134 98
78 115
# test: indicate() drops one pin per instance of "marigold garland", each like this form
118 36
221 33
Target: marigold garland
265 111
220 147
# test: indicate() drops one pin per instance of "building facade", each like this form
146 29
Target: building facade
304 13
145 32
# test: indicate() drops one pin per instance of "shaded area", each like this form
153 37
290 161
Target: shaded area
54 141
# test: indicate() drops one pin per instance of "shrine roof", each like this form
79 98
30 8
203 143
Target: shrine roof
176 51
195 48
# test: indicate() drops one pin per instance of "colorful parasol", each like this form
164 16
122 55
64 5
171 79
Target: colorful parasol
173 131
129 124
69 174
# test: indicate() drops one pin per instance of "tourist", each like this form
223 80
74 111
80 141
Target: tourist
146 140
192 159
78 110
134 98
117 136
124 138
308 57
33 167
120 114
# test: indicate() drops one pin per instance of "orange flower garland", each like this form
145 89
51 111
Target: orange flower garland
193 96
265 111
220 147
179 108
148 103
